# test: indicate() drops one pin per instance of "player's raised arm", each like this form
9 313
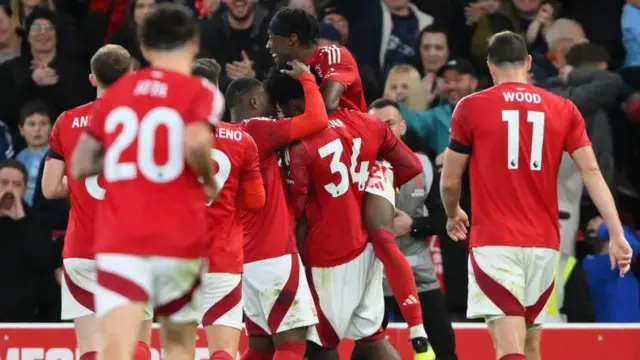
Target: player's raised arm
54 185
197 152
252 193
578 145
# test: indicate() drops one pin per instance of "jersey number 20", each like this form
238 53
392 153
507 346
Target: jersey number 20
145 129
335 149
512 117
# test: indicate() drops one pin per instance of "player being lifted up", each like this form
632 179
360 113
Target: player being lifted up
293 34
277 300
513 136
329 173
155 128
78 285
241 187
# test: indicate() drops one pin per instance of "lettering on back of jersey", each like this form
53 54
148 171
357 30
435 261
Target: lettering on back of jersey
222 133
520 96
153 88
80 121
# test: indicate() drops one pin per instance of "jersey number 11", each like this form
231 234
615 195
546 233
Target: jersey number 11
512 117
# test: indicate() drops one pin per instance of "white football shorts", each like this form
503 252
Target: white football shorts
381 181
222 300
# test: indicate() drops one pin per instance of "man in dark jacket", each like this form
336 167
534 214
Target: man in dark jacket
28 256
236 36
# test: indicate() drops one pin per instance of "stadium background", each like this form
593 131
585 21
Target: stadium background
399 46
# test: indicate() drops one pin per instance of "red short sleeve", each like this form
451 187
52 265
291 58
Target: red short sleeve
251 164
55 141
461 139
269 134
96 121
339 65
207 104
577 134
299 177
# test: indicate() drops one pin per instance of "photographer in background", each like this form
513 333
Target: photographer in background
417 214
28 256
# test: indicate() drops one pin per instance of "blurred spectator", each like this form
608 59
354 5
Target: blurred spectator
237 39
384 33
631 33
9 39
586 82
41 72
615 299
459 79
206 8
432 52
127 35
334 30
418 214
28 256
560 37
404 86
570 189
531 18
569 300
6 144
308 5
23 8
35 127
208 69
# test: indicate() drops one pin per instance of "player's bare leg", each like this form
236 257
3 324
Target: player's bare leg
142 350
259 347
508 334
378 215
222 341
317 352
290 344
532 343
87 336
119 329
377 350
178 340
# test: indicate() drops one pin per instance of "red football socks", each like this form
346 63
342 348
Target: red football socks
221 355
253 354
142 351
290 350
89 355
513 357
399 275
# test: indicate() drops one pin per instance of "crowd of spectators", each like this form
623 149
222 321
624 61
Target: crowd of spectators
425 54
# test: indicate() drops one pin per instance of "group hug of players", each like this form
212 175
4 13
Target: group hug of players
320 180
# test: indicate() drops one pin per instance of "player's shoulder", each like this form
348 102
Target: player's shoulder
77 116
233 132
335 54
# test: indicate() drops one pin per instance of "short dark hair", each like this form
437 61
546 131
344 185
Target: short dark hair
282 88
383 103
239 88
207 68
34 107
289 21
507 48
168 26
15 164
6 7
110 63
581 54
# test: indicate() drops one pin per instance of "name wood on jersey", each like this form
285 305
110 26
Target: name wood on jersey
80 121
522 97
228 134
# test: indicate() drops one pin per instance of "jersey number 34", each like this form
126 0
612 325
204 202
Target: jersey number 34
359 177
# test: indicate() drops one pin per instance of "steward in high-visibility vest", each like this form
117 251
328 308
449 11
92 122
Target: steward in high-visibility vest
570 300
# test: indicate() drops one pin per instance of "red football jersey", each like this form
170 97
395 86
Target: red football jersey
153 204
516 134
236 157
331 170
337 64
269 233
84 194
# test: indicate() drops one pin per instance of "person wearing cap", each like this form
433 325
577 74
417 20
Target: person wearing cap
615 299
459 79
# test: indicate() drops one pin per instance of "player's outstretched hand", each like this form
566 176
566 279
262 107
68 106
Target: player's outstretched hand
297 69
457 225
620 254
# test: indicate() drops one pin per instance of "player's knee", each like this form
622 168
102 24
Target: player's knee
178 335
263 344
317 352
